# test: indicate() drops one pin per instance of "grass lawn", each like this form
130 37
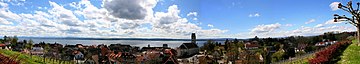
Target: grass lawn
27 59
351 55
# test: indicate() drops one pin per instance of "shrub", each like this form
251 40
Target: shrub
325 56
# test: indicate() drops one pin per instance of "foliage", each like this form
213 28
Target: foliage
300 53
29 45
342 36
8 60
278 55
208 46
309 48
14 40
1 41
326 56
329 36
46 47
350 38
29 59
236 41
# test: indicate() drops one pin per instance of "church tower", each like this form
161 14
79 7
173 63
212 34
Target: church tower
193 38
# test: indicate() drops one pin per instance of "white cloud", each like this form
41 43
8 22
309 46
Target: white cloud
64 15
332 22
254 15
334 5
4 21
60 21
275 30
40 8
210 25
319 25
100 22
301 31
195 19
288 25
192 14
265 28
170 23
310 21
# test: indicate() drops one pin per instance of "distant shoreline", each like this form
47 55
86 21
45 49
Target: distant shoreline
145 39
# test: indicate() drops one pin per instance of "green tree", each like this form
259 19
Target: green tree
5 38
278 55
226 44
14 40
342 36
208 46
236 40
46 47
1 41
309 48
30 44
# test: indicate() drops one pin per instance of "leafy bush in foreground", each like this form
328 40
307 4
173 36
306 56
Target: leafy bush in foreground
325 56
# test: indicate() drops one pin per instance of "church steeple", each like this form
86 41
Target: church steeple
193 38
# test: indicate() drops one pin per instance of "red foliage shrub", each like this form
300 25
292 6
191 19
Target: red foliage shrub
7 60
325 55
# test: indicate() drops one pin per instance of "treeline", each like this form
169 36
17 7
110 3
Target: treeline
284 47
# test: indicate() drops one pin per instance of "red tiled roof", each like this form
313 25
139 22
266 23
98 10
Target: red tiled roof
251 45
2 45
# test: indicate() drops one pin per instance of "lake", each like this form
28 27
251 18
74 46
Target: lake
139 43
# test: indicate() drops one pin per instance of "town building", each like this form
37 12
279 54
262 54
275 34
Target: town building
187 50
149 48
37 50
251 45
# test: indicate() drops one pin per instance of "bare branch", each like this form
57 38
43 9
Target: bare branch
352 24
345 9
350 6
357 9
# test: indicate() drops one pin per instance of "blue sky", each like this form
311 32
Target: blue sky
169 18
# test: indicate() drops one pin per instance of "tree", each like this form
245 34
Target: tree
5 38
256 38
209 46
342 36
46 47
354 19
29 44
236 40
278 55
14 40
226 44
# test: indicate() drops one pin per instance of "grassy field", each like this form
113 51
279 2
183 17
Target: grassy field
27 59
351 55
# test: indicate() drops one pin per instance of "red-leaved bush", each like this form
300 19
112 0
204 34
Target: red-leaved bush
7 60
324 56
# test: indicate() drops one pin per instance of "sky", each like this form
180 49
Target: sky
170 18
